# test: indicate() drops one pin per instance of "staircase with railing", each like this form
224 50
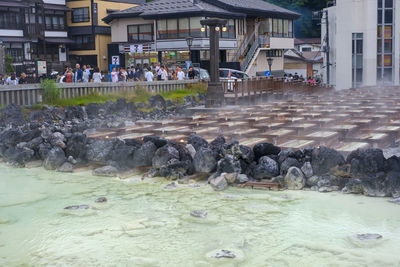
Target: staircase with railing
260 42
244 46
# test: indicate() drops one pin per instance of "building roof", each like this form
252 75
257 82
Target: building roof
307 41
208 8
138 2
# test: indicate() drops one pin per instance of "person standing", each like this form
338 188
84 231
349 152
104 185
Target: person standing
1 79
149 75
180 75
85 74
69 76
158 71
97 77
114 75
78 74
191 73
137 75
22 79
164 74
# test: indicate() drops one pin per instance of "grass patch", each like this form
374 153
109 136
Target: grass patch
136 96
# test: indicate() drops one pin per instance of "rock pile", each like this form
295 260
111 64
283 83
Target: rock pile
57 137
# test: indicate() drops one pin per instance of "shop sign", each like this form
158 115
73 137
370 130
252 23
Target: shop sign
41 68
115 60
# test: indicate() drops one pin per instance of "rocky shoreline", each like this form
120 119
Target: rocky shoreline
56 139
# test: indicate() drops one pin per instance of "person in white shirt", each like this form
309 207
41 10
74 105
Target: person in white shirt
180 75
85 74
97 77
164 74
149 75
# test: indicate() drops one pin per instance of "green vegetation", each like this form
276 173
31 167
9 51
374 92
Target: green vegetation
51 92
136 96
9 67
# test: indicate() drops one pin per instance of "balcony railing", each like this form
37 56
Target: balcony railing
33 30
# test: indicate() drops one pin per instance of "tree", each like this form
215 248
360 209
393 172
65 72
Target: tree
9 67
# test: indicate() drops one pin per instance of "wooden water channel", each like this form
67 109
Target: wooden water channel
345 120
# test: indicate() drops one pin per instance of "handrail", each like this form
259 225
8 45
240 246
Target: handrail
249 56
244 46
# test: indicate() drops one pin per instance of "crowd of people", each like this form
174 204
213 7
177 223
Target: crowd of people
129 74
296 78
12 79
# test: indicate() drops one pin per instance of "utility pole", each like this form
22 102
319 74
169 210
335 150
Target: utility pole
328 63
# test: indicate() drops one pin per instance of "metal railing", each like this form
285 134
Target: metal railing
31 94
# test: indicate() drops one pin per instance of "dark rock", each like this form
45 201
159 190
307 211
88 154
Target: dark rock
120 105
392 164
29 135
307 169
157 141
191 150
106 171
171 186
247 154
395 201
295 179
205 160
225 254
287 164
133 142
57 139
229 164
369 236
393 184
122 154
284 154
18 155
312 181
99 151
265 149
366 162
10 137
44 149
267 168
66 167
199 213
143 156
375 186
101 200
75 112
175 169
76 146
353 186
12 115
324 159
157 101
92 110
131 108
77 207
197 141
34 144
141 105
217 144
163 155
55 158
242 178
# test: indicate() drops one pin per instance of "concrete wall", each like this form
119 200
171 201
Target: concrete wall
261 64
357 16
119 28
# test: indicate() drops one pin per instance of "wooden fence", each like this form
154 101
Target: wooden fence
261 85
31 94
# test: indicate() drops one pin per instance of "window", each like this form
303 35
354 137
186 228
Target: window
230 33
10 18
274 53
180 28
140 33
385 42
357 59
80 15
54 20
82 42
306 49
16 51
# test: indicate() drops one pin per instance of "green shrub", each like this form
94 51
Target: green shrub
51 92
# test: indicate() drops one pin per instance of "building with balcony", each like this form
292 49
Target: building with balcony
35 30
361 48
157 31
89 33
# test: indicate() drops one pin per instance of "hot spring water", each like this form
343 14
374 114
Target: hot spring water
143 224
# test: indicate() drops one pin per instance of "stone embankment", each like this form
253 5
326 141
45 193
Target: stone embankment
57 139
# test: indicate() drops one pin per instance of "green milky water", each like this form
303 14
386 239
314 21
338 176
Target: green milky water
142 224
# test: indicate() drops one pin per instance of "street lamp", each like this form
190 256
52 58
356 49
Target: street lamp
270 60
215 93
189 41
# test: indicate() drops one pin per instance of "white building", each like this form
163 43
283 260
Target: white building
363 43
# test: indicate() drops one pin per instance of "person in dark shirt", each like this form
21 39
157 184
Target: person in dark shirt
137 75
23 79
78 77
191 74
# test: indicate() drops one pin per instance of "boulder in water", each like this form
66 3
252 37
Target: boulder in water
295 179
219 183
54 159
101 200
77 207
369 236
199 213
324 159
204 160
267 168
197 141
106 171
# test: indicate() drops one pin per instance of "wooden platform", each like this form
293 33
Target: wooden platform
345 120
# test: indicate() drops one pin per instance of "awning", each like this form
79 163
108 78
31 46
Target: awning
58 40
56 7
16 39
13 4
